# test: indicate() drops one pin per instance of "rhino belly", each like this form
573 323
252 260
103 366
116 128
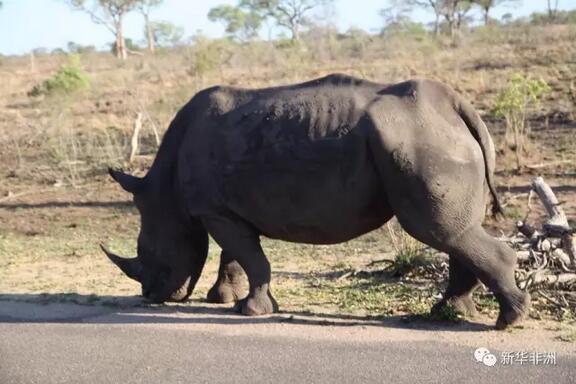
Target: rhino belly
323 196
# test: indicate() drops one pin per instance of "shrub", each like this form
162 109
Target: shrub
79 48
209 55
408 251
67 80
512 103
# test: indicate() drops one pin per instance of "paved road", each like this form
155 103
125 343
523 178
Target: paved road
83 344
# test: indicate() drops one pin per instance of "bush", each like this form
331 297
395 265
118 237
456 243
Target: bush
209 55
79 48
559 17
67 80
512 103
408 251
409 29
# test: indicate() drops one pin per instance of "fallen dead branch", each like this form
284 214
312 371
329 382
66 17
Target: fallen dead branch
546 165
546 255
135 137
554 280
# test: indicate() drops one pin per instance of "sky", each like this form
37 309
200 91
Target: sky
29 24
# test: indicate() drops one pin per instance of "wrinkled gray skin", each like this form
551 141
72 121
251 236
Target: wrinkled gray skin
320 162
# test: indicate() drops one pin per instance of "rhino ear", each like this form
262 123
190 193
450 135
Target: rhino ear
129 183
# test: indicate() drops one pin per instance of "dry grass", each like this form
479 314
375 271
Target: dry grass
48 239
71 136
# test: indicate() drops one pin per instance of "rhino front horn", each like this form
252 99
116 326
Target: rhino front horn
131 267
129 183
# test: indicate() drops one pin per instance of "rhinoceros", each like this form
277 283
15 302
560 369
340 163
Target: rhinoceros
320 162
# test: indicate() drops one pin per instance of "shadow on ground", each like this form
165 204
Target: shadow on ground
68 204
91 309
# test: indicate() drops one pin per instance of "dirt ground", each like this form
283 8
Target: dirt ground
57 204
49 253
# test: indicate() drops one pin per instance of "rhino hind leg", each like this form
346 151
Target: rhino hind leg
461 285
229 286
493 262
241 240
452 224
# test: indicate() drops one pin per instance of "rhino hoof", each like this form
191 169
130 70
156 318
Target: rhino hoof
464 305
513 314
256 306
223 293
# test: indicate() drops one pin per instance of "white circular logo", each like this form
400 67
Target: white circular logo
489 360
483 355
480 353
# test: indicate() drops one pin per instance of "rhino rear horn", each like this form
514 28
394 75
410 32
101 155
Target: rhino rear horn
131 267
129 183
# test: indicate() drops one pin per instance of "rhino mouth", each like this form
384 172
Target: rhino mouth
162 288
158 285
179 295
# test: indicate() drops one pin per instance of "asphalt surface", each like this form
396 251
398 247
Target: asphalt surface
82 344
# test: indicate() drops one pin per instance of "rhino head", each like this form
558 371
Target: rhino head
172 247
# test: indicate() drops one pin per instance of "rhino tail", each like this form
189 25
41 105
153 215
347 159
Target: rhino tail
480 132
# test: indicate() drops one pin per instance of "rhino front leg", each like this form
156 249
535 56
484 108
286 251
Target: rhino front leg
238 238
229 285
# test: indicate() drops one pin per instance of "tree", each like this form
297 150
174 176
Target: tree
242 21
289 14
552 9
166 33
397 19
396 14
487 5
145 7
462 9
454 13
109 13
507 18
435 6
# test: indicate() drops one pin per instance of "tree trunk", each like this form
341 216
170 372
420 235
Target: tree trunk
552 9
486 16
135 137
295 32
120 42
149 34
452 28
437 25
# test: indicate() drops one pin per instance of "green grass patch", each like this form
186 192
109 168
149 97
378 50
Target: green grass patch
446 314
